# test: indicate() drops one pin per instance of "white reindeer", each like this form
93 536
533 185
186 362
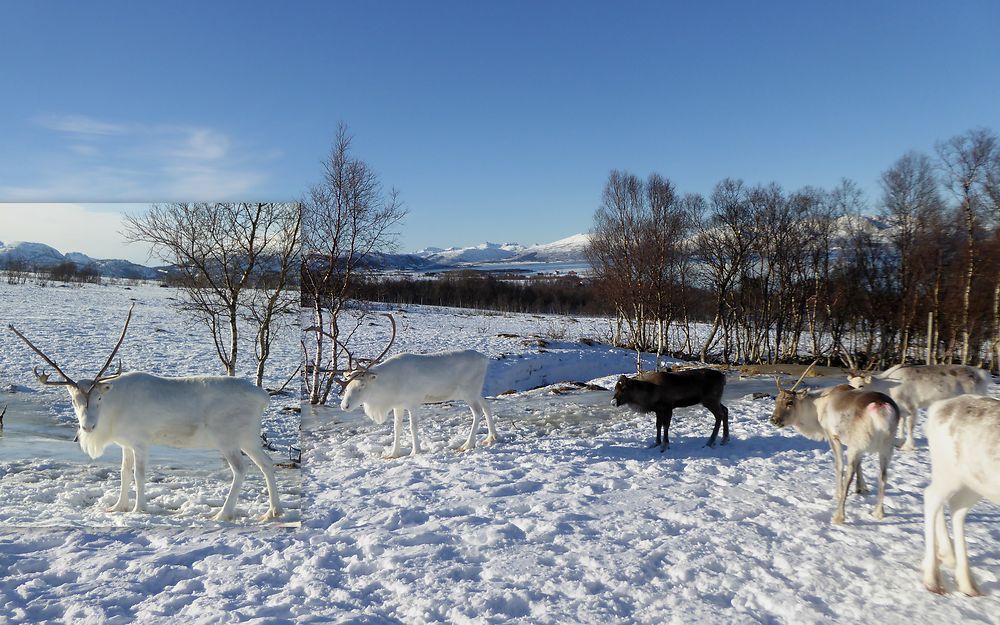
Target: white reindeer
135 410
407 381
963 434
917 386
864 421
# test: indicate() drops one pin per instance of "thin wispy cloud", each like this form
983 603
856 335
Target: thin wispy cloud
80 125
102 160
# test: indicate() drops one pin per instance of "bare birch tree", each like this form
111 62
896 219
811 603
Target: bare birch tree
216 249
347 218
967 161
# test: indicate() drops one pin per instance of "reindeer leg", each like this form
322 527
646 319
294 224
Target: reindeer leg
659 425
263 462
860 487
911 417
413 433
960 504
470 443
725 423
128 465
239 469
666 429
853 461
491 436
397 427
714 409
884 456
838 461
934 498
140 455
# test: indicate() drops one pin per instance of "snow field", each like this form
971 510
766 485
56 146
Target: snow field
570 518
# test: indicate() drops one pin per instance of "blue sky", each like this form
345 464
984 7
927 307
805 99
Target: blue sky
495 121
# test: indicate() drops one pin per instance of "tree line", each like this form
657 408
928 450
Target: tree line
759 274
17 271
513 293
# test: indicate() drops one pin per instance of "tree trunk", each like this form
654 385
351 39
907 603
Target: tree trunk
233 340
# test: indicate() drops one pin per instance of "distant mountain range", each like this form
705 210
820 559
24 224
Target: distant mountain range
571 250
41 256
568 250
486 256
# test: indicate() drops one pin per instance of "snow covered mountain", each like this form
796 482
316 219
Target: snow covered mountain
570 249
482 253
32 254
41 256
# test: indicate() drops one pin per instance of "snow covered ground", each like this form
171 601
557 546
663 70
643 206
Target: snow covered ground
569 519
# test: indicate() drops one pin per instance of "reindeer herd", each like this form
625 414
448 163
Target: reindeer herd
136 410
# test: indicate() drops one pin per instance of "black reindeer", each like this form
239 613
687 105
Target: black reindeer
661 392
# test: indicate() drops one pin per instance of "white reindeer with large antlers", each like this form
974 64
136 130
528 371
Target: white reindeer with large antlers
864 421
136 410
406 381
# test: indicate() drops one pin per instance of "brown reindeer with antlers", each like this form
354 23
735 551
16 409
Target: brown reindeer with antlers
864 421
136 410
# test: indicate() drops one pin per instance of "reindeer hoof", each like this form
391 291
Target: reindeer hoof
878 514
710 444
271 514
725 441
838 519
972 591
118 508
937 589
392 455
907 446
489 440
221 516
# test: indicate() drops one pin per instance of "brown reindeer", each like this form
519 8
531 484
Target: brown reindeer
661 392
864 421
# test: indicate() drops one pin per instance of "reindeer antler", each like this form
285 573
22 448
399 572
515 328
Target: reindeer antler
43 377
802 377
351 371
121 339
374 361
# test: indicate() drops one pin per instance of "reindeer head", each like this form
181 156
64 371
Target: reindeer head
355 382
862 378
87 395
356 388
785 404
623 391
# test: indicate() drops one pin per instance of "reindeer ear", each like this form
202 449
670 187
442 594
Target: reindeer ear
622 379
802 392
